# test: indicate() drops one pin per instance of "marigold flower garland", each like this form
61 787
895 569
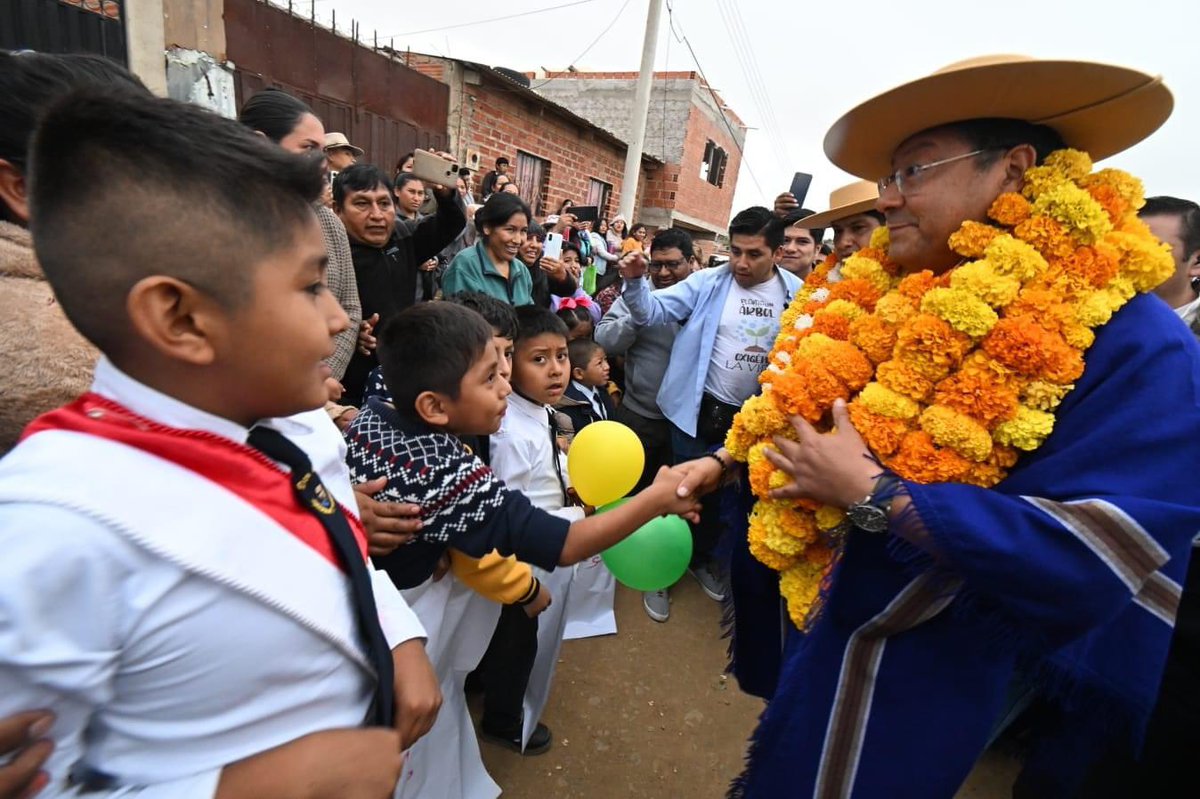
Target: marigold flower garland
950 376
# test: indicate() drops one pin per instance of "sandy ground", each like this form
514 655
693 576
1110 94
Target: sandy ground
647 714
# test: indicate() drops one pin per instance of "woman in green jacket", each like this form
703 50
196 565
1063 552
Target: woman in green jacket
492 266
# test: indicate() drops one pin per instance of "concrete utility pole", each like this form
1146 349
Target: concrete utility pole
637 119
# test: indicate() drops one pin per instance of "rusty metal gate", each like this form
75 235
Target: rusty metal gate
51 26
380 104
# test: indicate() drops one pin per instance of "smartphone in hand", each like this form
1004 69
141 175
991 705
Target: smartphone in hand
800 183
552 246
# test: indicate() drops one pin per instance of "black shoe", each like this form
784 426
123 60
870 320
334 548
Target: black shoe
539 742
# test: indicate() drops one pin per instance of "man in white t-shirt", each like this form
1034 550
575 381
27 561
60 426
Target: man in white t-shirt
729 317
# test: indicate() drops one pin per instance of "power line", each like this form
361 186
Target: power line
588 49
716 101
493 19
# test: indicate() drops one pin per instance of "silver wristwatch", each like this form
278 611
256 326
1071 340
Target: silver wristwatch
871 513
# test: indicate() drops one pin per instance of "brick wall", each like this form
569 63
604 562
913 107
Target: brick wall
694 195
499 123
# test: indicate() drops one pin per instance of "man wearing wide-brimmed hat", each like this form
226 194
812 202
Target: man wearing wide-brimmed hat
851 214
1005 499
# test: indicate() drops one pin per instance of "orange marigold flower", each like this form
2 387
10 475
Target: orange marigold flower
1010 209
849 364
1046 235
1110 200
858 291
833 325
1097 265
980 394
915 285
807 390
1042 306
922 461
903 378
882 433
894 308
874 337
930 345
972 238
1028 348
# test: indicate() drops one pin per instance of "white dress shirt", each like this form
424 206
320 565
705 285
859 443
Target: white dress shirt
181 629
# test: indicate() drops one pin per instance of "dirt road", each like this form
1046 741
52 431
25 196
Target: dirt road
647 714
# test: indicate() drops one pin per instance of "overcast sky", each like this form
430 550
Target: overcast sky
814 61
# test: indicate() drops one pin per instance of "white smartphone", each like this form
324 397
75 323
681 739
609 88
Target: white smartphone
435 169
552 246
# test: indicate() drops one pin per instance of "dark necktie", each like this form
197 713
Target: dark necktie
554 450
599 404
313 497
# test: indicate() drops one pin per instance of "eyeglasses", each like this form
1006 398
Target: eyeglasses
910 178
656 266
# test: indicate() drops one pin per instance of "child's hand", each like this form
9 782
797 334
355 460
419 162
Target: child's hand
334 388
418 693
354 763
666 489
540 602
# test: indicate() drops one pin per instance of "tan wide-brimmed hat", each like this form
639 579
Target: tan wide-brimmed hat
846 201
1099 108
336 140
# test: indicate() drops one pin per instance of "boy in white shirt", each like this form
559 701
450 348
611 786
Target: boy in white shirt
182 583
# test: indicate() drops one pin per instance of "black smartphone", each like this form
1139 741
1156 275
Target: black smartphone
584 213
799 189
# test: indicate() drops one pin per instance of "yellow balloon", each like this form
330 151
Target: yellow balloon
605 462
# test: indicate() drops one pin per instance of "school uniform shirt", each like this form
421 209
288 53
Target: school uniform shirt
584 405
172 626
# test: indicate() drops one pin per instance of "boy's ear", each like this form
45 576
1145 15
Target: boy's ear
577 373
431 408
176 319
14 191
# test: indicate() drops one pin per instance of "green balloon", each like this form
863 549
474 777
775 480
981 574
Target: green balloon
654 557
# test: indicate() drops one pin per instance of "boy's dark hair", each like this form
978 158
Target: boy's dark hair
533 320
499 208
581 351
273 113
673 238
138 155
1186 211
501 160
404 178
359 177
793 219
500 315
570 246
758 221
29 82
461 337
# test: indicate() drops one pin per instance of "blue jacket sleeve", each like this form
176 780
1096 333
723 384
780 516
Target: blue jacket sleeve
674 304
517 528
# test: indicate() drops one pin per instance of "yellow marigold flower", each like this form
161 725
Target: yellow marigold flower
800 585
1077 210
1041 179
880 238
843 308
1010 209
1146 262
882 400
760 538
895 308
1078 336
1044 396
963 311
1098 307
980 279
901 377
961 433
1025 431
972 238
739 440
829 518
1014 258
760 417
1127 187
859 267
1073 164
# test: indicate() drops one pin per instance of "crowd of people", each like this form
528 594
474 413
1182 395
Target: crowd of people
287 474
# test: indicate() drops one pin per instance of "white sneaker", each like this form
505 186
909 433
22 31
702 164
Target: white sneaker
657 604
